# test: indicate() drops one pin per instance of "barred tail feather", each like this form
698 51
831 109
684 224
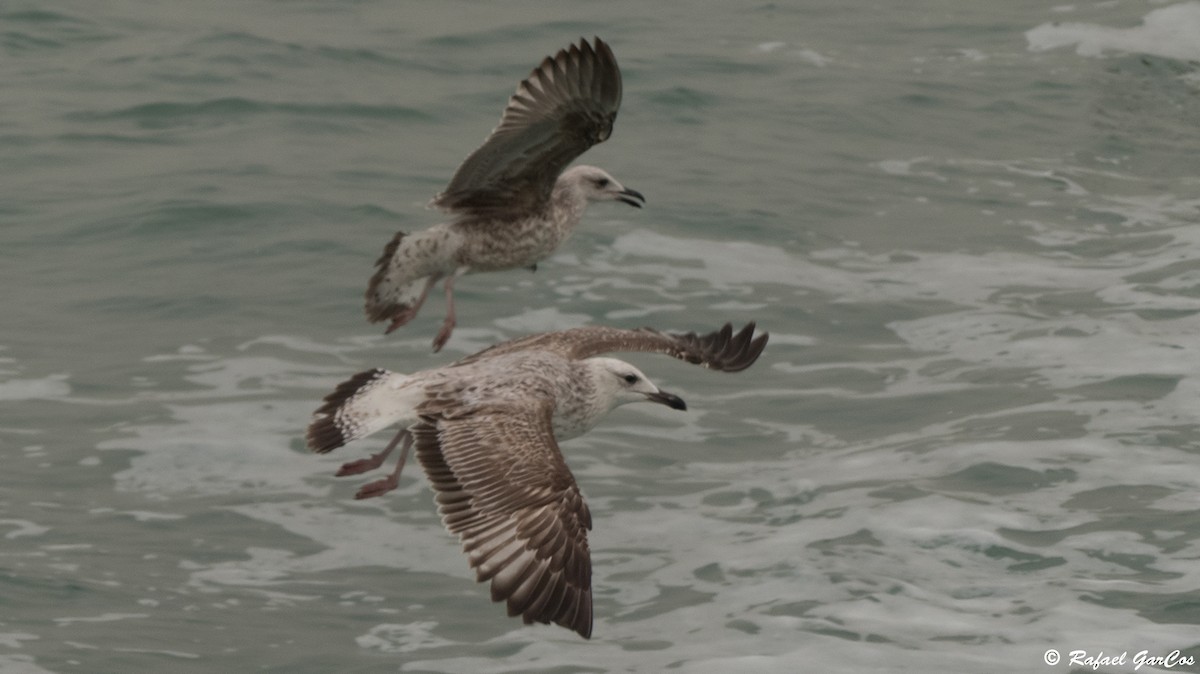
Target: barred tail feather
364 404
382 291
402 274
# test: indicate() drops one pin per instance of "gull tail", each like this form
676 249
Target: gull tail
408 268
363 404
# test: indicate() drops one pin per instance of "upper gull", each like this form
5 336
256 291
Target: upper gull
513 202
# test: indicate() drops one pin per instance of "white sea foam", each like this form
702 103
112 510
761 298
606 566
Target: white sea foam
402 637
102 618
18 663
21 528
805 54
219 448
52 386
1169 32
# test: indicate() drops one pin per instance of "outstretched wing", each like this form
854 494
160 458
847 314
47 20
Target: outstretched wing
566 105
503 487
719 350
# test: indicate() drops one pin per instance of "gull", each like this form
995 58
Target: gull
512 201
486 430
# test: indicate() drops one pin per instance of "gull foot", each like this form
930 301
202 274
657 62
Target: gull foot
363 465
378 487
443 336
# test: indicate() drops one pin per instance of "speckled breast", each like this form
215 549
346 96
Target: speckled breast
509 245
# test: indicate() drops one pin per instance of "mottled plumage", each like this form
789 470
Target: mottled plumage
513 202
487 430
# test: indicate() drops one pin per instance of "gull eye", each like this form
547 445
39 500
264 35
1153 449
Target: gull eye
631 379
602 182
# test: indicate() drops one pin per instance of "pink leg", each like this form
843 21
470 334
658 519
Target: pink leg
443 335
376 460
410 311
381 487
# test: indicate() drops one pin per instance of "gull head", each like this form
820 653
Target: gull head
622 383
597 185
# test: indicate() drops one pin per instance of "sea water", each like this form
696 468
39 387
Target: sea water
972 444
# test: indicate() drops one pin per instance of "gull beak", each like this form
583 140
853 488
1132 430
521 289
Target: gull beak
669 399
632 197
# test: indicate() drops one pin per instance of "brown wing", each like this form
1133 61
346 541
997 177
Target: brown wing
566 105
719 350
503 487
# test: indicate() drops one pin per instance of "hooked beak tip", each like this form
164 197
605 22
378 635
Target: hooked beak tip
669 399
632 197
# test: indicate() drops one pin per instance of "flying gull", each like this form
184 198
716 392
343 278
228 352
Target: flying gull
487 430
512 201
